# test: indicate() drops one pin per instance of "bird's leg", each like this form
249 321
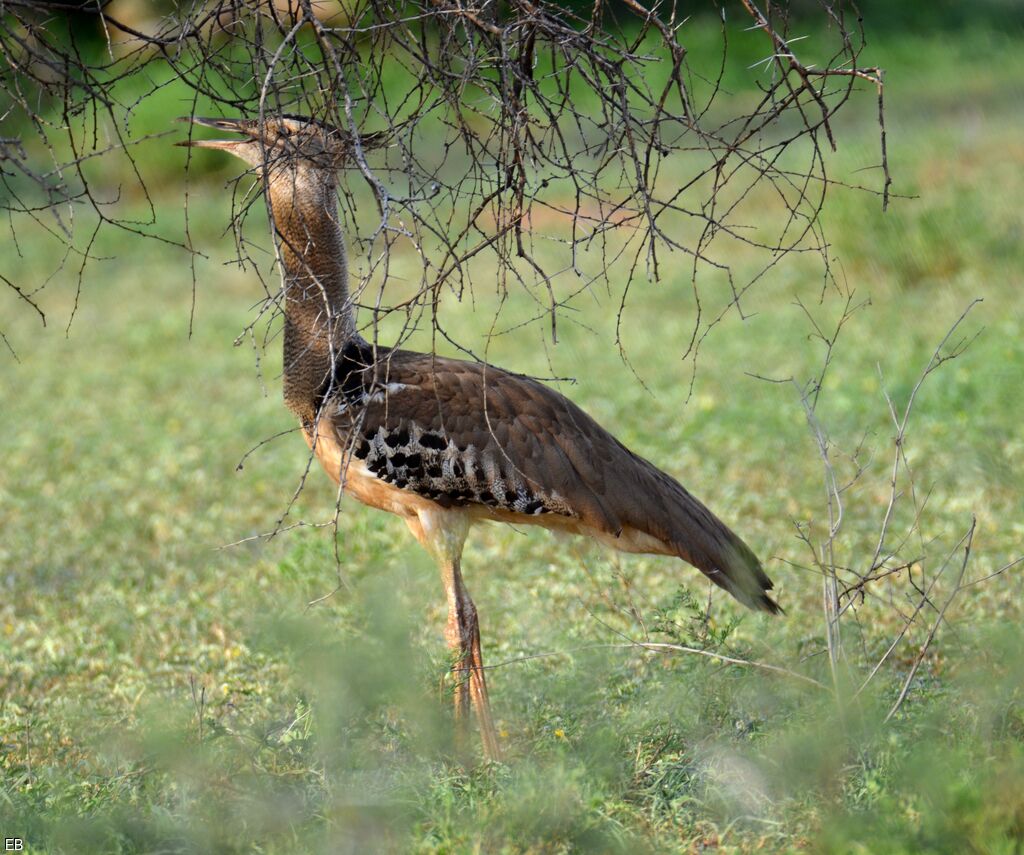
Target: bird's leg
478 679
443 533
453 634
463 635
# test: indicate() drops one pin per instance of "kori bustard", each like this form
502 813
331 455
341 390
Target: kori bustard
442 442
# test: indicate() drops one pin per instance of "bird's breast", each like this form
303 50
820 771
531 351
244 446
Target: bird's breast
359 482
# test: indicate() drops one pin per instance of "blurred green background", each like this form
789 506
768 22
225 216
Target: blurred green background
163 691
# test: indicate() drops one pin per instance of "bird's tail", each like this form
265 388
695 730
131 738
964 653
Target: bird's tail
731 565
699 537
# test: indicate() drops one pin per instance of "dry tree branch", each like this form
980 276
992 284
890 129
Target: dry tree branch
852 586
664 647
507 116
901 421
729 660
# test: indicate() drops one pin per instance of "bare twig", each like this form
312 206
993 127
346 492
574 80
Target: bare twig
957 587
657 647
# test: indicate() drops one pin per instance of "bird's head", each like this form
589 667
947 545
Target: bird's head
285 143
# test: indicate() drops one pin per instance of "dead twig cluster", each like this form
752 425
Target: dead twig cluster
909 580
529 135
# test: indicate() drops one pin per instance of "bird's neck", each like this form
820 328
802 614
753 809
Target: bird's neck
319 316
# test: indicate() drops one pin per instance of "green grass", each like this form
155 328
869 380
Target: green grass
163 693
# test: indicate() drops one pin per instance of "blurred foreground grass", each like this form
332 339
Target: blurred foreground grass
161 693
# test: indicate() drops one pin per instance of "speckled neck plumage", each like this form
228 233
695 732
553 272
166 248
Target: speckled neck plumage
319 316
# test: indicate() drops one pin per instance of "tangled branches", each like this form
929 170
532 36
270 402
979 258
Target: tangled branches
532 135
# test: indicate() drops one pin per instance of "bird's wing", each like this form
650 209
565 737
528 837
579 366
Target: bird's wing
464 433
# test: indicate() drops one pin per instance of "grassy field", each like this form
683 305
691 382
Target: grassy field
162 691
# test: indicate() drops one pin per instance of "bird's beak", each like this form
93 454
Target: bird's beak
236 126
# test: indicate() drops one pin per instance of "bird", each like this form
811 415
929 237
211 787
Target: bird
445 443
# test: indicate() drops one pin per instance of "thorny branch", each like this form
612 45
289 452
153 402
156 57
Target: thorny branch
530 137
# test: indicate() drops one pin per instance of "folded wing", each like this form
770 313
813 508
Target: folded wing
469 434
